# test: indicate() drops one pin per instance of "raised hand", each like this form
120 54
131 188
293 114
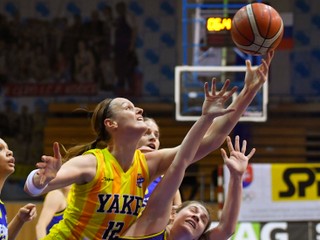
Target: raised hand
27 212
49 166
238 160
255 78
214 102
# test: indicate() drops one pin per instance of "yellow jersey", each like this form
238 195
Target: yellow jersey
105 207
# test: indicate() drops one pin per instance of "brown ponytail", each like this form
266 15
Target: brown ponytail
100 113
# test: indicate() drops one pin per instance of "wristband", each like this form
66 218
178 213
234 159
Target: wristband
33 190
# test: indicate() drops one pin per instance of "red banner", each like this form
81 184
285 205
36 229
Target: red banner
50 89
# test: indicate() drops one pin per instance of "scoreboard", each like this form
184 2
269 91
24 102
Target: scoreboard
218 31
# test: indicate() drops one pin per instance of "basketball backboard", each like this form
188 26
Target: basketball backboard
189 91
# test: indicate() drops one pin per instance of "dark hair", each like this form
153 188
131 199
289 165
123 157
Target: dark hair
100 113
188 203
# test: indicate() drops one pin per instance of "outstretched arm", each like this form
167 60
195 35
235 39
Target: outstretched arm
156 215
52 174
222 126
177 199
237 164
25 214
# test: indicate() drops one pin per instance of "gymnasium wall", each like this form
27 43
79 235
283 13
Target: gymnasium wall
295 72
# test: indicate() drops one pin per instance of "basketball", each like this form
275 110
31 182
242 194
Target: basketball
256 29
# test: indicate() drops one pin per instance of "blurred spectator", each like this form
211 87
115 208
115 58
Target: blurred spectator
5 32
24 59
13 118
13 61
93 29
84 63
40 65
16 27
61 69
39 121
3 64
25 122
56 31
71 36
25 125
125 58
106 66
94 37
4 121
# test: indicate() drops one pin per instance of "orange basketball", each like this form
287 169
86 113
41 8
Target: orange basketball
257 28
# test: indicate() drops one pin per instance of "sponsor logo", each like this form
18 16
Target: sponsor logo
140 180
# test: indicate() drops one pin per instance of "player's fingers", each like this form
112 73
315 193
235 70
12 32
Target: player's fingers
206 89
237 143
223 154
56 150
248 64
213 86
41 165
269 56
229 144
225 86
244 146
252 152
264 67
231 92
33 212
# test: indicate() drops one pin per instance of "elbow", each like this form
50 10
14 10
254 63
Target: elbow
230 231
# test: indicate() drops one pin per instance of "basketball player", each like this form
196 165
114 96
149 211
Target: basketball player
192 218
55 201
26 213
150 142
107 194
110 183
54 204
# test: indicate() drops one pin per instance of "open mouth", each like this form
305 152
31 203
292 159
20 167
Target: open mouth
152 146
146 149
192 223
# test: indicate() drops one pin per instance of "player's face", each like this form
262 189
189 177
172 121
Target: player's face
193 219
6 159
127 117
150 140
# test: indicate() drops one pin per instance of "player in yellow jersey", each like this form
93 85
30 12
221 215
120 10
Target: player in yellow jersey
192 219
110 176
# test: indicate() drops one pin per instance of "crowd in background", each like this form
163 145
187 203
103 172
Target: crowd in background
24 131
76 50
99 50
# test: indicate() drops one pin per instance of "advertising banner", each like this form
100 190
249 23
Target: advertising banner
280 192
276 231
